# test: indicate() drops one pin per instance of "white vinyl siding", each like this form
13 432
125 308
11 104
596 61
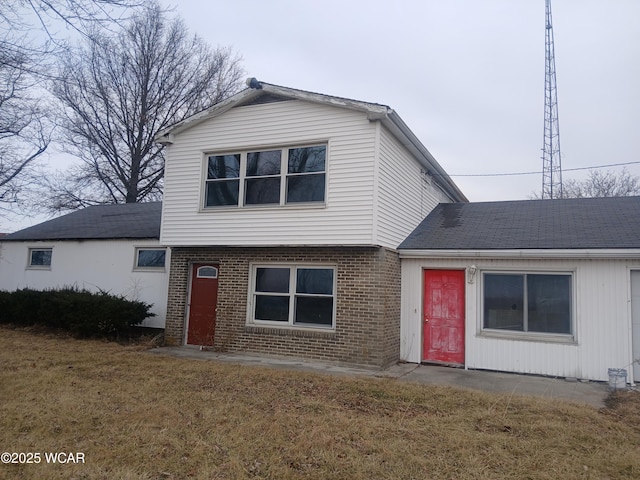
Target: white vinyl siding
602 319
635 319
95 265
405 194
346 216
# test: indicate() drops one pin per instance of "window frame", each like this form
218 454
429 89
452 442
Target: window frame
283 177
148 268
523 334
31 265
292 295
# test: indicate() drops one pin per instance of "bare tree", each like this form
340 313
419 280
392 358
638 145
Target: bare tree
119 91
28 45
603 184
21 17
24 130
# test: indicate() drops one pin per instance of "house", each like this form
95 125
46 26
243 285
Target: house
549 287
283 210
113 248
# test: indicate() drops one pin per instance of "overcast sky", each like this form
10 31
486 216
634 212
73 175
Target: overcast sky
467 76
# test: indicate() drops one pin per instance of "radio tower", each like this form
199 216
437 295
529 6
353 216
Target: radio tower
551 164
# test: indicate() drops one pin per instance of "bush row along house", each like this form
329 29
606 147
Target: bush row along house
301 224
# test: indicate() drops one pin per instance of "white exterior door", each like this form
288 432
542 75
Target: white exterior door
635 318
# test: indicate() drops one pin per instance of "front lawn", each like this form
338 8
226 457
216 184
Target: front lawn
138 416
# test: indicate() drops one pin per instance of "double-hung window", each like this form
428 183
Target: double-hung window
262 181
293 295
306 174
283 176
533 303
223 173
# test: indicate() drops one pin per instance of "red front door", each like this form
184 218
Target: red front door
443 316
203 302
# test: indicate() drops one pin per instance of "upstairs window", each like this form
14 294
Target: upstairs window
306 174
262 184
285 176
223 173
40 258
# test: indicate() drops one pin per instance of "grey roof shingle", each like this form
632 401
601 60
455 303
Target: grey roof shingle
127 220
585 223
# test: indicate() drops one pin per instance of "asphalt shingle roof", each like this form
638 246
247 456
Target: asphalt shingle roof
127 220
585 223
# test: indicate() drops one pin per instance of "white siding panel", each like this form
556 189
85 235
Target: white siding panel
345 219
405 195
602 317
635 327
411 311
91 264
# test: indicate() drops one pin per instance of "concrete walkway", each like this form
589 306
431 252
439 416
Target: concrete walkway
590 393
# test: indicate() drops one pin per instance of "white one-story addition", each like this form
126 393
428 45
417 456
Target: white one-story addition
548 287
112 248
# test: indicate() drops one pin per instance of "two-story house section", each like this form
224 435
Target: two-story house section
283 210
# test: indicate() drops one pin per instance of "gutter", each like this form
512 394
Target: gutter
604 253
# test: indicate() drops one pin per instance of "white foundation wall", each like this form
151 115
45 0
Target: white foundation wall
602 316
94 265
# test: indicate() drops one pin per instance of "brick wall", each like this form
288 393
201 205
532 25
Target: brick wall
367 303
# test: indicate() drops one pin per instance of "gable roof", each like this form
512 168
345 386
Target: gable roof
261 92
99 222
584 223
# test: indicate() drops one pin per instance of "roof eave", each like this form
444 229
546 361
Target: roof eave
166 136
78 239
374 112
400 129
590 253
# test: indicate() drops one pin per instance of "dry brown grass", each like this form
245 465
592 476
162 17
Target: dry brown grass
141 416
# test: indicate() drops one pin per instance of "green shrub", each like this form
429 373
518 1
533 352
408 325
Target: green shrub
81 312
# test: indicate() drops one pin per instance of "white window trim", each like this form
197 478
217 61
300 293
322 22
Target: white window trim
570 338
251 321
137 268
38 267
283 176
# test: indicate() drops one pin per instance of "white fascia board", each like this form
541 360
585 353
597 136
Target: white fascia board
166 135
631 253
372 109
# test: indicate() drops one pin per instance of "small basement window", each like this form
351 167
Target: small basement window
150 258
40 258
